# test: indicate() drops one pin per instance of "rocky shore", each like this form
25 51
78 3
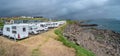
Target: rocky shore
101 42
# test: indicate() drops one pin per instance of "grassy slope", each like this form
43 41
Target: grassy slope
80 51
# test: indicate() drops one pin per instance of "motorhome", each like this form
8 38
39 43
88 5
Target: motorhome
62 22
17 31
52 24
33 29
42 26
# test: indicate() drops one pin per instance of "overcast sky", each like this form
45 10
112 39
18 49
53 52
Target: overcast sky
61 8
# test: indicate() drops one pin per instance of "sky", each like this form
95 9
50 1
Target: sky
74 9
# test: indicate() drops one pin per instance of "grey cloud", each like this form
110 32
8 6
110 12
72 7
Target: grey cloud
61 8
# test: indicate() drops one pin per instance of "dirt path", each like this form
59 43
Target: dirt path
45 44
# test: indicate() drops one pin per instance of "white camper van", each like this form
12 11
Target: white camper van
62 22
42 26
17 31
33 29
52 24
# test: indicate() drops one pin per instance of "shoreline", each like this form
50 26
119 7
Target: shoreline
96 40
112 25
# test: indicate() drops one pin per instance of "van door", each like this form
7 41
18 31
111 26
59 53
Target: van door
24 32
14 32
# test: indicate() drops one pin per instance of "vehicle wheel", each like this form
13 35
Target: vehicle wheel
32 33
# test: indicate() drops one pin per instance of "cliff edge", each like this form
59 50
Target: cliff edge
101 42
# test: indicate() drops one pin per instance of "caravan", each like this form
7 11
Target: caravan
17 31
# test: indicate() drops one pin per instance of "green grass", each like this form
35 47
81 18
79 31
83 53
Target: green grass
80 51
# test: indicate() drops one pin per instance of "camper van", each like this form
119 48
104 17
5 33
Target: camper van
42 26
52 24
17 31
62 22
33 29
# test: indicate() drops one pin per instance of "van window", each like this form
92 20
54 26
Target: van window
14 32
13 27
42 25
48 24
24 29
54 23
8 29
30 28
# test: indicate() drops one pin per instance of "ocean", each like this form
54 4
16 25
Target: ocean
110 24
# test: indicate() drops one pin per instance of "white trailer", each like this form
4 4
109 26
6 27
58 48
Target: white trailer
16 31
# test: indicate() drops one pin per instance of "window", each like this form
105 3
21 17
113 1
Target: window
13 27
30 28
24 29
54 23
8 29
14 32
42 25
47 24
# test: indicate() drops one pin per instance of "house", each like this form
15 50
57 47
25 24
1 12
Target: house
9 22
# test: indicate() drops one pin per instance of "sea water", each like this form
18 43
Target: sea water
110 24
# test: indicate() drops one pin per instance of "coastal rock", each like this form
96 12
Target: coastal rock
101 42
